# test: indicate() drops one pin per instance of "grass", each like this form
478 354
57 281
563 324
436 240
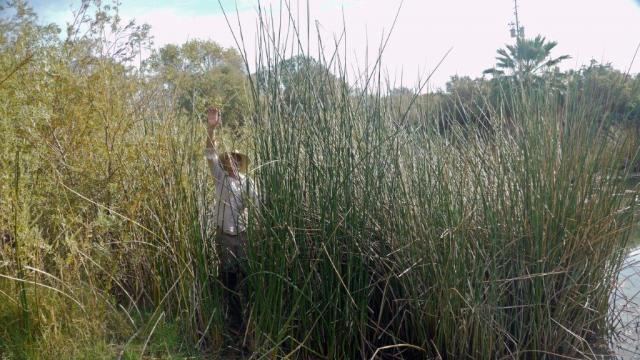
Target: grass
379 233
80 338
379 238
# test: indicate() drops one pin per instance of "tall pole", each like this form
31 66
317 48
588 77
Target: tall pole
515 12
519 36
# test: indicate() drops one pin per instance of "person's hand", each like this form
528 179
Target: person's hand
213 117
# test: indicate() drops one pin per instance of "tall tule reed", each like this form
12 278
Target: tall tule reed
382 237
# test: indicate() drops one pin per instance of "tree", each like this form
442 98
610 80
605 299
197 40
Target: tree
467 100
293 76
200 73
613 92
526 59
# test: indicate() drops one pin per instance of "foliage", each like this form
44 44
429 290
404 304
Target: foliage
526 58
102 196
616 93
390 225
202 73
468 100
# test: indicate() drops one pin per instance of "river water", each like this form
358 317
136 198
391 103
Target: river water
626 309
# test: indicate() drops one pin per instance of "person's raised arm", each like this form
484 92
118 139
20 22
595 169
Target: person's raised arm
213 121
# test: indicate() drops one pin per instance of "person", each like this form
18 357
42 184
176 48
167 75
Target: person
233 192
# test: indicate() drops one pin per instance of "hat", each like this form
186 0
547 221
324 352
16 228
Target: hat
243 160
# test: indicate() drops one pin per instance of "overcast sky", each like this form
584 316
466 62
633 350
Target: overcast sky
608 31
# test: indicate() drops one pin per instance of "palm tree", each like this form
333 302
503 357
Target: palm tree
526 58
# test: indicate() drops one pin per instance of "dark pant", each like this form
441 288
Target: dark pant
231 257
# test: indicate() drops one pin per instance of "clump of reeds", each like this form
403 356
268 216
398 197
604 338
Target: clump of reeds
380 237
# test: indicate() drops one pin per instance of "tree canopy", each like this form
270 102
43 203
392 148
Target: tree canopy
200 73
526 58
